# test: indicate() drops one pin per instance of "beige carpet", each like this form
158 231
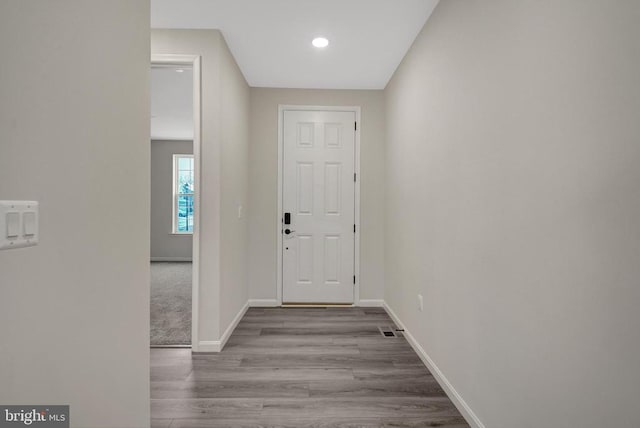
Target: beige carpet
170 303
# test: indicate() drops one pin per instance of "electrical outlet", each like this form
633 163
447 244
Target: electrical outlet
420 303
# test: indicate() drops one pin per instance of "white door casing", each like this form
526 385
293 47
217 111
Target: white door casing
319 192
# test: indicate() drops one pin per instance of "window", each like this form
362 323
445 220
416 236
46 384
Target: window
183 194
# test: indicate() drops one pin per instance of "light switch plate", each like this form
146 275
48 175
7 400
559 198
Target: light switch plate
18 224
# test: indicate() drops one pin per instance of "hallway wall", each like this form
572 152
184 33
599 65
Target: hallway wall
74 135
234 137
224 167
513 207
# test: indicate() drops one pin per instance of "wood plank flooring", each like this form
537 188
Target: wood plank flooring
300 368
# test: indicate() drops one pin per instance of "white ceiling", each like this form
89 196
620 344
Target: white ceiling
171 103
271 39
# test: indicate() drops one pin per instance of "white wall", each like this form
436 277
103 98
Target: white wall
165 245
225 121
74 135
235 113
206 44
513 207
263 173
171 103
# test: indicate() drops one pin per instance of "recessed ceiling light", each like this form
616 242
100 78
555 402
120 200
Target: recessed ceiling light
179 70
320 42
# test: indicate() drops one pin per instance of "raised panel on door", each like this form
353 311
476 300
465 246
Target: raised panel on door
304 188
332 188
306 134
332 259
305 263
333 135
318 191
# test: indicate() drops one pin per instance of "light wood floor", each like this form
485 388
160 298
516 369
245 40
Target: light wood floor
300 368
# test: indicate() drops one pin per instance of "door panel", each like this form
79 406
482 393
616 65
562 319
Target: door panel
305 187
332 259
332 187
305 259
319 192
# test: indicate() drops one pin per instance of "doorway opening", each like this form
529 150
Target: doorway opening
175 196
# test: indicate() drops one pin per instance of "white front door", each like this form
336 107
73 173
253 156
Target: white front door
319 205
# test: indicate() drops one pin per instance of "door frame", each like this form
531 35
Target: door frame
279 237
192 61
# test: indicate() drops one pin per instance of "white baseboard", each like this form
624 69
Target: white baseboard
218 345
171 259
227 333
207 346
370 303
270 303
263 303
457 400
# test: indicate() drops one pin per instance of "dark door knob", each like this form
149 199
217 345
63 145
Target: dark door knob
288 231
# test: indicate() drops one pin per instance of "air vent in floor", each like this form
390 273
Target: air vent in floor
387 331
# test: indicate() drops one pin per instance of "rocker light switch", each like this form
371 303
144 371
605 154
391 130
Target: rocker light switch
18 224
13 224
29 221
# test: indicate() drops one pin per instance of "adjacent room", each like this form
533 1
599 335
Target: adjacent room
172 202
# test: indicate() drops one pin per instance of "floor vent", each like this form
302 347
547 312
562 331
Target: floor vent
387 331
